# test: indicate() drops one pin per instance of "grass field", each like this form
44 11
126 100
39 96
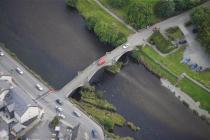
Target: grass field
161 43
88 8
196 92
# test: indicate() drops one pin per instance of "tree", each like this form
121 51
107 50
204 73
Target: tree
54 122
165 8
201 18
71 3
139 14
118 3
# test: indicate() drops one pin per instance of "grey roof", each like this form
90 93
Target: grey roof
20 100
4 85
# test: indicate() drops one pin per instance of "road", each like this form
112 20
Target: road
46 99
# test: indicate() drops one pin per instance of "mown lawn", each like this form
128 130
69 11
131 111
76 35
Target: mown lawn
196 92
89 8
173 63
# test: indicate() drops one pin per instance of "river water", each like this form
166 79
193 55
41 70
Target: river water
53 41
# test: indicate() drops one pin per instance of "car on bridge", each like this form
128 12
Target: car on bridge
101 61
125 46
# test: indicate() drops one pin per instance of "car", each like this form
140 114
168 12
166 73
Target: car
61 115
1 53
77 114
58 101
101 61
94 133
59 109
39 87
19 70
125 46
183 41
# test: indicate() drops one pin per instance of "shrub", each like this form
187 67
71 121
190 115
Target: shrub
139 14
165 8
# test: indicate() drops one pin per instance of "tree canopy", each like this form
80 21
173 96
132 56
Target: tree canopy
165 8
201 18
139 14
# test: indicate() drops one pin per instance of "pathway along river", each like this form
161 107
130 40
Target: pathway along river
53 41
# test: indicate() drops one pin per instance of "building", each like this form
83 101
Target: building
17 109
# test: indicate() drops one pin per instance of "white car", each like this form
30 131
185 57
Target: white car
39 87
125 46
59 109
61 115
77 114
1 53
19 70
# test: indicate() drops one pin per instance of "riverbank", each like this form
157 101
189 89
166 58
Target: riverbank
107 28
170 68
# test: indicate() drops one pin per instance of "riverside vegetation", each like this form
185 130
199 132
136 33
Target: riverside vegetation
93 103
106 27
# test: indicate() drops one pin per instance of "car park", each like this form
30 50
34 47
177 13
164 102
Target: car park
58 101
39 87
19 70
76 113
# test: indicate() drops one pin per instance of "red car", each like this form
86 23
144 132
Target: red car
101 61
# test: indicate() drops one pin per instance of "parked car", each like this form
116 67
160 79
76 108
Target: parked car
58 101
77 114
19 70
125 46
94 133
39 87
1 53
61 115
59 109
183 41
101 61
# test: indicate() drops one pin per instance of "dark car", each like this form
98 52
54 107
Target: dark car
182 41
94 133
58 101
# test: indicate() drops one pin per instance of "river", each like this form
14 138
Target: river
53 41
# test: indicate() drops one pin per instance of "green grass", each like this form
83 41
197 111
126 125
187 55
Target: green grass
174 33
89 8
121 12
172 62
196 92
162 44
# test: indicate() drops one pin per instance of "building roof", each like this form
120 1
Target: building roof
18 101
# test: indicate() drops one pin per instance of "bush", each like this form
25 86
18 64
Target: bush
54 122
108 34
165 8
139 14
71 3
